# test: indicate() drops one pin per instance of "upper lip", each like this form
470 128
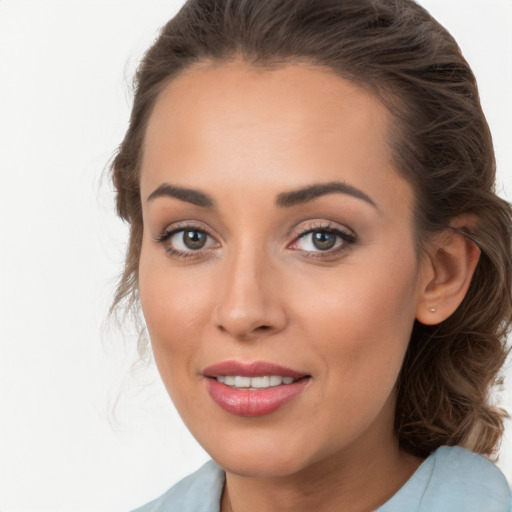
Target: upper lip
254 369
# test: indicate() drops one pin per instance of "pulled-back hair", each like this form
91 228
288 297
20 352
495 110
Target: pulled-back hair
441 145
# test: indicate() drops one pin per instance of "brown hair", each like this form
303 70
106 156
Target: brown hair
441 145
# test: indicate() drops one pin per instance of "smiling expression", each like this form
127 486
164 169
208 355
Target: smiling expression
278 243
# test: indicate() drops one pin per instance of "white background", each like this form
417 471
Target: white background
65 69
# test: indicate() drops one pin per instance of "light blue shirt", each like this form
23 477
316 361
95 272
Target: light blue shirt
451 479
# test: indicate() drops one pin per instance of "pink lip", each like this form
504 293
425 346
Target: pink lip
255 369
252 402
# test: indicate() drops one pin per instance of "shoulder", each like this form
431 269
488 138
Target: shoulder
461 476
453 479
199 492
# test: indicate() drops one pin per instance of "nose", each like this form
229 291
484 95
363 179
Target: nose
248 305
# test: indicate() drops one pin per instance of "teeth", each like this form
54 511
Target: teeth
275 380
262 382
242 382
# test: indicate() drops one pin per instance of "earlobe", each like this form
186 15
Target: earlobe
452 261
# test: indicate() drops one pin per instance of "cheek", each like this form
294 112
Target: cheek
169 295
172 315
174 304
361 333
360 319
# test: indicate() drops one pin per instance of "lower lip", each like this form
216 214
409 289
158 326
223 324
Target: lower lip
253 402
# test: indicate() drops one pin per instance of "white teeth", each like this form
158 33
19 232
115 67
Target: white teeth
242 382
275 380
262 382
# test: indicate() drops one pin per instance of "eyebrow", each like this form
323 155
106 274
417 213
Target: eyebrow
306 194
188 195
283 200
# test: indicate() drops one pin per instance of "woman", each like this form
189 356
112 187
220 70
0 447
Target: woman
322 263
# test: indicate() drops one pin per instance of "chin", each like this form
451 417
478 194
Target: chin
261 465
259 454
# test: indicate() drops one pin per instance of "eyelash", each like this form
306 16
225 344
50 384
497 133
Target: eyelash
347 239
169 233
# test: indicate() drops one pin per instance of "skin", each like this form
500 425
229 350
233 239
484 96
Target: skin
261 291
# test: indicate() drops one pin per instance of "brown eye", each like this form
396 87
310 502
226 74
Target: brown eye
186 241
194 240
323 240
318 240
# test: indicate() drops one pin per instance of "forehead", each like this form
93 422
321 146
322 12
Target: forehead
306 99
297 124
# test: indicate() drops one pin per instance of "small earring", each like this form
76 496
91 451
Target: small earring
433 310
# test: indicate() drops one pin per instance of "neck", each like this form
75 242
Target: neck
355 480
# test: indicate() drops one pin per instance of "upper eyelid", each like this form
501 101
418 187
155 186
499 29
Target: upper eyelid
176 227
164 239
297 231
347 237
319 225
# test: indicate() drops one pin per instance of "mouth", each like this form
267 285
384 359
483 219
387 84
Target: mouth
263 382
253 389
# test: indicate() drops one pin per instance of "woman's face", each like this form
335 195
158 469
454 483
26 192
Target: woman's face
278 246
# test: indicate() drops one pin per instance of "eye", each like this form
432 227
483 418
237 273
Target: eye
328 239
321 240
187 239
184 241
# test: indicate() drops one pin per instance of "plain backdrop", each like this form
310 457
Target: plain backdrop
78 431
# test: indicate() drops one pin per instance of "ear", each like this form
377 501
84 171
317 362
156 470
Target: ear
447 272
